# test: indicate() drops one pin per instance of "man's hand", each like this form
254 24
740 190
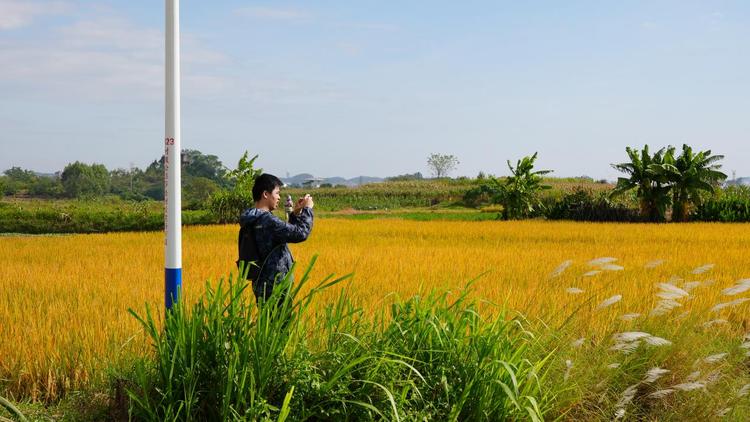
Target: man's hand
306 202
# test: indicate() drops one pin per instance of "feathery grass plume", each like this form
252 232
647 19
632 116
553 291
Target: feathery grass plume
609 302
626 348
561 268
713 322
591 273
683 314
657 341
702 269
745 345
653 264
693 376
690 285
670 291
744 390
627 395
629 336
601 261
720 306
619 414
739 287
715 358
578 343
654 374
573 290
612 267
613 365
664 306
628 342
660 394
568 368
629 317
689 386
735 290
669 295
723 412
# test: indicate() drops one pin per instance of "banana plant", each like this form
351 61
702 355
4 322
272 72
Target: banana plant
689 175
517 193
651 184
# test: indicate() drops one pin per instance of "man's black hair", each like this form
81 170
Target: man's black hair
265 183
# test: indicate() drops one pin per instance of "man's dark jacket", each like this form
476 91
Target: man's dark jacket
271 237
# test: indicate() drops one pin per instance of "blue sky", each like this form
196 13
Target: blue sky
371 87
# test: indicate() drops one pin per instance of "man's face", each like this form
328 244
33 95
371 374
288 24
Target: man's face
273 198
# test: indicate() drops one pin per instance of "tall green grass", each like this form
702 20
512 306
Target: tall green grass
12 409
429 357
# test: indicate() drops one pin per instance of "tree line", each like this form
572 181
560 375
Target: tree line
202 176
666 184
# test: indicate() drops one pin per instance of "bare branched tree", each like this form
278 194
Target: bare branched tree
441 164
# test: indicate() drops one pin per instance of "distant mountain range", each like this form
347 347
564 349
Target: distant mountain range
739 181
354 181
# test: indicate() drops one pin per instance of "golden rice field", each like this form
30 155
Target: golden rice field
64 299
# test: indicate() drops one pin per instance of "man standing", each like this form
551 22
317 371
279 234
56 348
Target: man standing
271 234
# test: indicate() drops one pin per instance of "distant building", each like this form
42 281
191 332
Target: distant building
313 182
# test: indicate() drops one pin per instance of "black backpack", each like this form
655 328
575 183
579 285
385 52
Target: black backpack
248 252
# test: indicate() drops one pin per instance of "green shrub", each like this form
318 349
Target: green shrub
732 204
583 204
226 205
38 217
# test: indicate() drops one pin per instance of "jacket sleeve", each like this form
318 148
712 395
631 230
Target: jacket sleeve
297 230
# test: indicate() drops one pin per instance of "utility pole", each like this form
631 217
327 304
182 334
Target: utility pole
172 159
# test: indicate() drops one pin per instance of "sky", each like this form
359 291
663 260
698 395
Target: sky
349 88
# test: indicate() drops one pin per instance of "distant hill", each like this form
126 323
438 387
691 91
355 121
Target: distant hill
45 174
744 181
354 181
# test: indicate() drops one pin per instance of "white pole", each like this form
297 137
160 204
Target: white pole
172 159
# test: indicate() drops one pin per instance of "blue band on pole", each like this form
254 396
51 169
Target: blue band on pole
172 286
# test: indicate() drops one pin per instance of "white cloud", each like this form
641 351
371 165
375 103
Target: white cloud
19 13
270 13
104 58
110 33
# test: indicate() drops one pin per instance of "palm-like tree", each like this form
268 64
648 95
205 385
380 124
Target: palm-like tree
519 193
689 175
650 182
